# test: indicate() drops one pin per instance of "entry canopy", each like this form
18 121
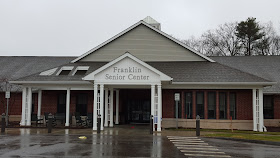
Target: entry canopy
127 69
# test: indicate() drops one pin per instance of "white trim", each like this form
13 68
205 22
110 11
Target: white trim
80 68
64 68
132 27
39 103
225 83
50 82
163 77
68 91
117 106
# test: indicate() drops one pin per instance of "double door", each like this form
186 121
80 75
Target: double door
138 111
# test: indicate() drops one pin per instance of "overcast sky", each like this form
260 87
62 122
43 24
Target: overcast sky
72 27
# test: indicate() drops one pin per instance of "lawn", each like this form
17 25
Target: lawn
238 134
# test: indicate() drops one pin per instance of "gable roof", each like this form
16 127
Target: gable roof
152 28
267 67
163 77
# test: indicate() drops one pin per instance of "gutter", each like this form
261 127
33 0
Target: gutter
51 82
225 83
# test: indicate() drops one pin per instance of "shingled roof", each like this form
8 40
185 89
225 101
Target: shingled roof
267 67
15 67
179 71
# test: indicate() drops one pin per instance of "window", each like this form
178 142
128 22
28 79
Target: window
232 105
211 105
179 108
61 103
188 105
200 104
81 105
65 70
268 110
223 105
81 70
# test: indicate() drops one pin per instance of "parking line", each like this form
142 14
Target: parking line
201 155
209 152
199 146
201 149
198 141
182 137
191 144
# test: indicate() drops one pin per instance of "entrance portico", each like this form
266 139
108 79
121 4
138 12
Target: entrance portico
126 70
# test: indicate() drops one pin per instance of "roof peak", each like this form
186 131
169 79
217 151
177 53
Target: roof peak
149 20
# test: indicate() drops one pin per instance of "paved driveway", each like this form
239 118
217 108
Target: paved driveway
124 142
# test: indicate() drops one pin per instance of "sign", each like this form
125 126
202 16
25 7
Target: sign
127 71
177 96
7 94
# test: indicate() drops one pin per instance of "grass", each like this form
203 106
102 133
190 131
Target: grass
238 134
263 137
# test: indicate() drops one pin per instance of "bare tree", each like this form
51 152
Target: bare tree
222 41
269 44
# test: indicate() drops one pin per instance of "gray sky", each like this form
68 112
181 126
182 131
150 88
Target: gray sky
72 27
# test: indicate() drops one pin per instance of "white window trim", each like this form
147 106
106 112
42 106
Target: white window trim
65 68
80 68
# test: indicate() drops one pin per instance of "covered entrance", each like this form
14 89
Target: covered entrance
127 72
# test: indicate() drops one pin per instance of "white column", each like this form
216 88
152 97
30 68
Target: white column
106 108
102 105
23 123
67 107
261 125
111 106
117 107
39 103
254 110
153 103
159 107
29 105
95 107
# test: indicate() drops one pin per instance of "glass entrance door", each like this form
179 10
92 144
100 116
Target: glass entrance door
138 111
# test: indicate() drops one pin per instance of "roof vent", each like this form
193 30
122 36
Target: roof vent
152 22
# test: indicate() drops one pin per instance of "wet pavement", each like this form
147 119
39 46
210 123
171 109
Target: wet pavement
121 141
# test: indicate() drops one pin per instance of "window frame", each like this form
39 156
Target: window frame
190 105
203 104
225 107
215 103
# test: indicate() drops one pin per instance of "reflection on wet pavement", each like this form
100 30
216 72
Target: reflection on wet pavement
122 142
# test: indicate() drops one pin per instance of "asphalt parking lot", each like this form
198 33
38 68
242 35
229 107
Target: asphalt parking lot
124 142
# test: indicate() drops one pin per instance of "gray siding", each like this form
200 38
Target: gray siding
146 45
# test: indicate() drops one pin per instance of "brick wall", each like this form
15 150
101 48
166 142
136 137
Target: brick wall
276 106
243 103
14 103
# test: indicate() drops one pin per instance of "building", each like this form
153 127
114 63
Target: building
136 74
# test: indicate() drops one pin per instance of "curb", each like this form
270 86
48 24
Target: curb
248 141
